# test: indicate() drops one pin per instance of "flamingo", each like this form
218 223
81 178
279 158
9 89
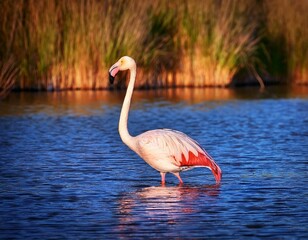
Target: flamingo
166 150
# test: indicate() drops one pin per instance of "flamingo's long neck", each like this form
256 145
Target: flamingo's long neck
123 130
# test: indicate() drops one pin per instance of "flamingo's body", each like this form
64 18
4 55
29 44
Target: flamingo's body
163 149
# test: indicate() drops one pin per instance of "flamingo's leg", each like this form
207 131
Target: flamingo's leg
177 174
163 178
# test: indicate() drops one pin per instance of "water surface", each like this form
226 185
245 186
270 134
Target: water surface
65 174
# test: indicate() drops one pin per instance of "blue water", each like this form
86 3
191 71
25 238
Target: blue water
65 174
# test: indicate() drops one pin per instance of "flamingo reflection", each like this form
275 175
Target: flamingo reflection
163 204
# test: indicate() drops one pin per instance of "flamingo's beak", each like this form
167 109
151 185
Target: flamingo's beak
113 72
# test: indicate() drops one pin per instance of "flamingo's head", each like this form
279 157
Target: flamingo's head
124 63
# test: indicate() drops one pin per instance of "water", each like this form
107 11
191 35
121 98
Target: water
65 174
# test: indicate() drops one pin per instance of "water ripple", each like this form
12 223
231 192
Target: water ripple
68 176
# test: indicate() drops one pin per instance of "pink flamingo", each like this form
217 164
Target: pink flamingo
163 149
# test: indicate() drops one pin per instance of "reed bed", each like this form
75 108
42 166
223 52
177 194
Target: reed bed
8 73
220 39
58 45
286 27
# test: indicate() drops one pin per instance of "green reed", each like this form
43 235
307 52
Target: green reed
287 33
71 44
220 40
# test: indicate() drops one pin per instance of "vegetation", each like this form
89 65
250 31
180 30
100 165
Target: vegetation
220 39
287 37
8 73
70 44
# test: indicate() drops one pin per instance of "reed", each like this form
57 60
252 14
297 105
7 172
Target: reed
160 56
286 26
70 44
8 72
59 45
220 39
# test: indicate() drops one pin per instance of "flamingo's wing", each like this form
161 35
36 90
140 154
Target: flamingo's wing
183 151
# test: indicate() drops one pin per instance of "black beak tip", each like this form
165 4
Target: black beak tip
111 79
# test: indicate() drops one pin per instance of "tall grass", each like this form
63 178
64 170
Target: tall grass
286 27
71 44
8 72
220 39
